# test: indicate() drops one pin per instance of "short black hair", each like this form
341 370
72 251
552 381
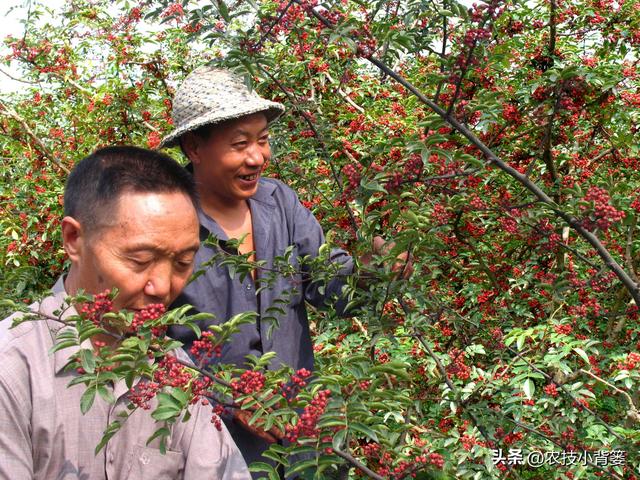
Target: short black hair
203 132
98 180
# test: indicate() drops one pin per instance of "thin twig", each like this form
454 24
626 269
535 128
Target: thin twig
360 466
633 413
272 26
18 79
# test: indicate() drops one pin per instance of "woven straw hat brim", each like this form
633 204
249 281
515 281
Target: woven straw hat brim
272 110
211 95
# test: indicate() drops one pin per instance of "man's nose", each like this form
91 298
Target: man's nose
158 284
255 155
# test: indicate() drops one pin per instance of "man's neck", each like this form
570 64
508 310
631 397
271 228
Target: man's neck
70 282
223 211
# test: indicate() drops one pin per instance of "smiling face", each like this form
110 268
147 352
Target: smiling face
228 163
146 250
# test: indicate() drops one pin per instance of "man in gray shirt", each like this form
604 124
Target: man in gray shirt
222 127
130 223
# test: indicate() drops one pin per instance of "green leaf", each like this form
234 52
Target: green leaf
63 345
365 430
106 394
90 333
582 354
400 369
181 396
108 433
261 467
87 360
529 388
338 439
301 466
165 412
87 399
159 433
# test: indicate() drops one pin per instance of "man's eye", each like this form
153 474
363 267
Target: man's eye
240 144
264 139
184 264
140 262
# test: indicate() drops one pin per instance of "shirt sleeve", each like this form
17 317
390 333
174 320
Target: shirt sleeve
15 437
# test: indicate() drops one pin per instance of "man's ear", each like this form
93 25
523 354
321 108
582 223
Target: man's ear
73 238
190 144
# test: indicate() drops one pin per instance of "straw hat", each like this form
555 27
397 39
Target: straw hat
212 95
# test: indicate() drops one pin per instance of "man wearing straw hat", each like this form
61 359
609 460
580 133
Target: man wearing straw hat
223 129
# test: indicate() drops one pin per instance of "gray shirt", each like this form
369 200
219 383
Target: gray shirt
43 434
279 221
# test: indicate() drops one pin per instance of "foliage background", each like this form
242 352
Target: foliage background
518 201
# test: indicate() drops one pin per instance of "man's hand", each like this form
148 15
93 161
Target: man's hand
402 265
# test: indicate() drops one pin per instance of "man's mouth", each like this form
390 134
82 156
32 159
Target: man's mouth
249 178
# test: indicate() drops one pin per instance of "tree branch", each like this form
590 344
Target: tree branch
633 413
363 468
11 113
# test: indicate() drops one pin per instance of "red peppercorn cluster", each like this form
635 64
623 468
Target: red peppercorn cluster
175 9
306 426
457 367
565 329
403 468
509 225
353 176
200 389
394 182
551 390
94 310
513 437
171 373
510 113
476 34
604 214
384 461
440 215
631 362
249 382
215 416
298 381
204 348
413 167
366 47
364 384
142 394
148 313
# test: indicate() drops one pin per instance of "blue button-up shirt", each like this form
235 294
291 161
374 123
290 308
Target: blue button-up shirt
279 221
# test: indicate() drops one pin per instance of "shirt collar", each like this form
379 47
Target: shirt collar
261 199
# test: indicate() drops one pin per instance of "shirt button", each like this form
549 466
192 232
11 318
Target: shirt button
249 286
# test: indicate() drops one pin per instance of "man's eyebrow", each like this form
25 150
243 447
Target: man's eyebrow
242 131
145 247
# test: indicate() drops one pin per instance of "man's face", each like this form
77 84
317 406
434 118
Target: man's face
228 164
146 250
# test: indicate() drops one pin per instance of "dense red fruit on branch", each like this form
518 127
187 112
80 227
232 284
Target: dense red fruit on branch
308 420
94 310
249 382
